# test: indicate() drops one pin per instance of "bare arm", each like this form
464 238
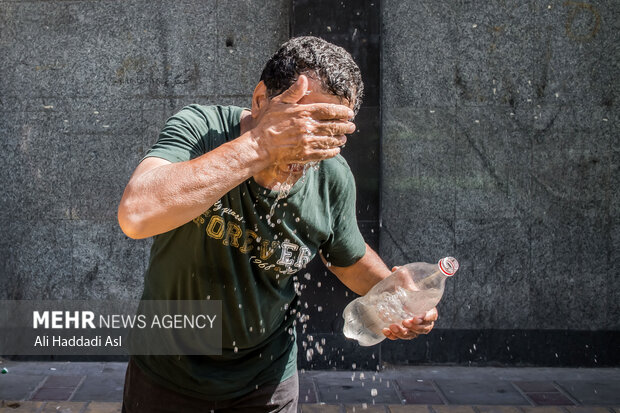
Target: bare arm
363 275
161 195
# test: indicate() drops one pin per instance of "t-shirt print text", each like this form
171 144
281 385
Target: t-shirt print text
282 258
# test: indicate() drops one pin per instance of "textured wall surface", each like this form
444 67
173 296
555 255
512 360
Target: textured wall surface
500 147
85 87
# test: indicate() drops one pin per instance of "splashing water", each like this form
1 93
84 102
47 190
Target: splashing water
285 189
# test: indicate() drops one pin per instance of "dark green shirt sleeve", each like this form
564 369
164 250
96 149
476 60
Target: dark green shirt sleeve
182 137
345 245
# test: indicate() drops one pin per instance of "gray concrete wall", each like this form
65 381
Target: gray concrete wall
85 87
500 144
500 147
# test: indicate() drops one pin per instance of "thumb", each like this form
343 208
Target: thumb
294 93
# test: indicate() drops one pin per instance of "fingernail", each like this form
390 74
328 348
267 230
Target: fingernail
351 114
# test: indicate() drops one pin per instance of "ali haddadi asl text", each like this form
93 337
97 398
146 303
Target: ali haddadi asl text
75 341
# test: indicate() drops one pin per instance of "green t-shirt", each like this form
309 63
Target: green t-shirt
231 253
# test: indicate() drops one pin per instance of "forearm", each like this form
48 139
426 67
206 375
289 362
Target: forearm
364 274
170 195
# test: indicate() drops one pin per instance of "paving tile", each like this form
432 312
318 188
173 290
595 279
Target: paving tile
364 408
592 393
484 392
453 409
415 397
62 381
550 399
19 407
588 409
407 409
498 409
406 383
418 391
320 408
18 387
55 394
535 386
336 390
63 407
307 391
101 407
104 387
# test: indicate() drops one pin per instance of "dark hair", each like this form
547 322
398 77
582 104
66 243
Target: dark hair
334 66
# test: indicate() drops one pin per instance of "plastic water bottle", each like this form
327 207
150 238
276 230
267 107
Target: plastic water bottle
408 292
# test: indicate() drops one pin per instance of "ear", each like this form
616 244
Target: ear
259 98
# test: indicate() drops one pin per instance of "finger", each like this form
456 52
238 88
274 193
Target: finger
398 330
389 334
431 315
295 92
326 142
330 128
395 332
327 111
413 322
320 154
418 325
409 335
425 329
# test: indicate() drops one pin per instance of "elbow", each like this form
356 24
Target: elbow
130 222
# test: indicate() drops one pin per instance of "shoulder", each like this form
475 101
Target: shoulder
196 113
336 167
337 173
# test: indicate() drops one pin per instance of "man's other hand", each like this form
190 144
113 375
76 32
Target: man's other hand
413 327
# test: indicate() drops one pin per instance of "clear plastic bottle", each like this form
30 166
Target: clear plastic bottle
408 292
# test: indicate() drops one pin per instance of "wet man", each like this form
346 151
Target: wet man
205 191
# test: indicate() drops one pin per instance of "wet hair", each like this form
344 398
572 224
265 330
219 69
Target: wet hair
320 60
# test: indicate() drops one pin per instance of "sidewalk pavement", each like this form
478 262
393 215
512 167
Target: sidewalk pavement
96 387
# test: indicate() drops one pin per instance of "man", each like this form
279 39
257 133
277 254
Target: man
206 191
